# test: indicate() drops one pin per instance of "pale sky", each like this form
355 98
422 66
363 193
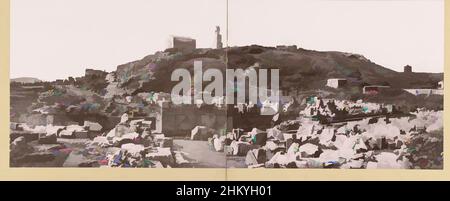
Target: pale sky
54 39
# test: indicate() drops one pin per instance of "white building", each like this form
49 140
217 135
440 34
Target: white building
428 92
438 91
219 44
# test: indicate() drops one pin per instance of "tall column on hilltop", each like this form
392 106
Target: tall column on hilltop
219 44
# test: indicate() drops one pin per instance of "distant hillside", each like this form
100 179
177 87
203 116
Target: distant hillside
307 71
299 68
25 80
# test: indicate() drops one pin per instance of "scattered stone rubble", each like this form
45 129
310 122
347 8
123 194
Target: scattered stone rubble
410 141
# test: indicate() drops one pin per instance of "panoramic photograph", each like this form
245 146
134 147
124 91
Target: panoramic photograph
227 84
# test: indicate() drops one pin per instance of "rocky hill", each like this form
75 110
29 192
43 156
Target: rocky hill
305 71
300 69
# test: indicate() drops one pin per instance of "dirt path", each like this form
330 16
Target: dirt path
205 157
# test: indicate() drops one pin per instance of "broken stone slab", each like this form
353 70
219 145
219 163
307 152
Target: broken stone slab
302 164
290 125
146 132
69 134
90 163
241 148
342 130
373 120
101 141
388 160
227 141
167 142
16 126
360 146
131 136
157 164
211 144
260 138
332 164
75 128
164 142
372 144
287 136
18 142
13 126
255 156
273 145
245 138
135 128
294 148
255 131
327 136
93 126
20 147
54 129
146 140
111 134
115 157
181 161
228 150
122 129
81 134
280 160
289 142
262 165
372 165
125 139
275 133
314 163
383 143
164 155
147 124
49 147
354 164
75 159
274 148
156 136
118 131
332 158
124 118
137 122
237 133
218 144
36 129
94 129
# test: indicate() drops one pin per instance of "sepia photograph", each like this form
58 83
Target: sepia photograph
306 84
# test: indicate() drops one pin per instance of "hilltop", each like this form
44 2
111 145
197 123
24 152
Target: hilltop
299 68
